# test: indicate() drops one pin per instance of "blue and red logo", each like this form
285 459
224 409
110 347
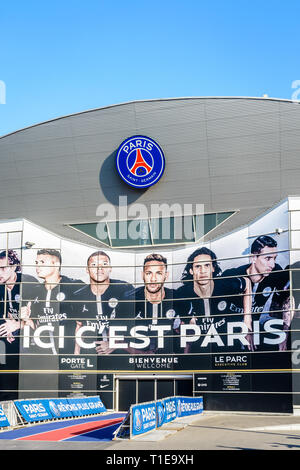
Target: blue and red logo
140 161
137 420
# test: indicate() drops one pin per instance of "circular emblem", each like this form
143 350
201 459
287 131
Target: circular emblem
267 291
222 305
54 408
60 296
137 420
177 322
178 408
160 414
170 313
140 161
113 302
17 298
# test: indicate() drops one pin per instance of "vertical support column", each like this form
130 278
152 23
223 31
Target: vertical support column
131 422
117 395
294 233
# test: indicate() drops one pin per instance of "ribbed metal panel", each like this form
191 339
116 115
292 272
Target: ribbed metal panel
40 149
182 115
229 108
290 140
243 126
243 145
251 163
290 160
105 121
175 134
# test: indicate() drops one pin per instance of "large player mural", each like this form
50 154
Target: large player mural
68 308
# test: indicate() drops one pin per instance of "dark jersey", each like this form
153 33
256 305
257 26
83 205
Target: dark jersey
95 314
140 312
10 299
264 293
281 308
213 314
51 313
268 298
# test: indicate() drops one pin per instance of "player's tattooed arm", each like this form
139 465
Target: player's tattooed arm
288 311
25 315
9 327
247 304
247 307
77 347
103 347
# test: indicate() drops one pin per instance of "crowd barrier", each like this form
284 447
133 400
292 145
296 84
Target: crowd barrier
4 423
36 410
145 417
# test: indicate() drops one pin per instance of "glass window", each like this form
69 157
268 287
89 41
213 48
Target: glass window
129 233
170 230
98 231
154 232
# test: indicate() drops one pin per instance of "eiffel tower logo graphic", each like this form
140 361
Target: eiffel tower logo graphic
140 166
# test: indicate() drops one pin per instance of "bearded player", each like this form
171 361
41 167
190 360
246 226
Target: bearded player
151 305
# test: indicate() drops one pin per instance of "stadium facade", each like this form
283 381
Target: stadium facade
188 286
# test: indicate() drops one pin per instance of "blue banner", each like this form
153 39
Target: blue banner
187 406
34 410
95 405
153 415
170 405
75 406
39 410
160 413
3 419
143 418
86 406
60 408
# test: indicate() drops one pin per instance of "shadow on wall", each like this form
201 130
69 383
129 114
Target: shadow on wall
113 186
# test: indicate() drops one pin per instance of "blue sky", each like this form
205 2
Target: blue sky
63 57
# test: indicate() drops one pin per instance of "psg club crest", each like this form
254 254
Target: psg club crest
140 161
54 409
137 420
160 414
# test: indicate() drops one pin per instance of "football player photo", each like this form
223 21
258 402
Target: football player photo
47 306
96 304
268 280
10 293
150 306
207 300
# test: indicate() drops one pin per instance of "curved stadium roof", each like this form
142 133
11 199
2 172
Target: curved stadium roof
229 154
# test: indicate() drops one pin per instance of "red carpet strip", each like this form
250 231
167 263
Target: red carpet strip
71 431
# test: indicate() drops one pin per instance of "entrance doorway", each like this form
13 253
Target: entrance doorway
137 389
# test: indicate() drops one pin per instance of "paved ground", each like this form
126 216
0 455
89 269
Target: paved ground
206 432
227 432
